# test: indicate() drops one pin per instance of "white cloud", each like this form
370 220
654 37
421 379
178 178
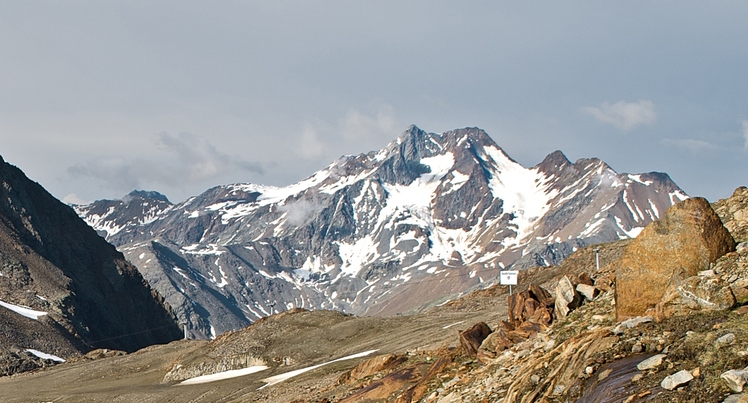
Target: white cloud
624 115
72 198
692 145
358 126
745 134
354 132
185 158
310 146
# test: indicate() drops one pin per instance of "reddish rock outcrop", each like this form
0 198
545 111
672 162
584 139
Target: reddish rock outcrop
471 339
687 239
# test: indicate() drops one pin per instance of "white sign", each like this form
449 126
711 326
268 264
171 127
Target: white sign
508 277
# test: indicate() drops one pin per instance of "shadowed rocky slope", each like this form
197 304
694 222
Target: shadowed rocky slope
85 294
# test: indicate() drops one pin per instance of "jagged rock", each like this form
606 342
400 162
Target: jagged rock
471 339
651 362
735 379
567 297
589 292
583 278
533 305
695 293
733 211
688 238
679 378
733 268
493 344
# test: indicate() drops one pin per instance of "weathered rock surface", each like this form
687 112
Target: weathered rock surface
651 362
471 339
733 211
567 297
685 241
679 378
693 294
735 379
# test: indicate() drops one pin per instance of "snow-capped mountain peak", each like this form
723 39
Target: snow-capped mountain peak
430 213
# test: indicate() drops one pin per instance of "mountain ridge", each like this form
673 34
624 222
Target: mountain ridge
361 234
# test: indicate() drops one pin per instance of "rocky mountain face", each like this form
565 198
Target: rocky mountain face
63 289
430 215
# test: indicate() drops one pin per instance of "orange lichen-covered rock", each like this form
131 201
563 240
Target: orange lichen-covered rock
685 241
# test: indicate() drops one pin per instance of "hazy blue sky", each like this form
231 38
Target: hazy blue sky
98 98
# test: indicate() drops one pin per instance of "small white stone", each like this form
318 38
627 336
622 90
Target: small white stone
651 362
679 378
725 340
735 379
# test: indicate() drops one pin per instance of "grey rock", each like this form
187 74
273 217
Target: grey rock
738 398
567 298
725 340
679 378
651 362
735 379
631 323
589 292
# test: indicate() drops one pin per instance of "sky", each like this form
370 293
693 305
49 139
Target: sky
100 98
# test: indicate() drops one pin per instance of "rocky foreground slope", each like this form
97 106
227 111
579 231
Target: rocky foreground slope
378 233
63 289
557 339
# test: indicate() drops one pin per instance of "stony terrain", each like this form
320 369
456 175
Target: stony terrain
690 346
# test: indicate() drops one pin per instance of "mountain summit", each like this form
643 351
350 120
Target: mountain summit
380 233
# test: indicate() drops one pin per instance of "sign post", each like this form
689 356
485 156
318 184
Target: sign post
508 277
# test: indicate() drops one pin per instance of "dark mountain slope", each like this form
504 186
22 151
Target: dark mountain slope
51 261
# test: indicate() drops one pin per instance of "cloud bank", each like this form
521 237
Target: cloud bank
179 159
624 115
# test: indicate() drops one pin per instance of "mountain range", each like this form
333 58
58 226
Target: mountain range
428 217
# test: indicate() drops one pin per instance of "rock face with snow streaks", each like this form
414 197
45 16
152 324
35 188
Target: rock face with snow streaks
377 233
63 289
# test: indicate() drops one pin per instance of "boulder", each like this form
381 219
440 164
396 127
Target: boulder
679 378
493 344
733 268
694 294
589 292
735 379
685 241
734 213
472 338
651 362
533 305
567 297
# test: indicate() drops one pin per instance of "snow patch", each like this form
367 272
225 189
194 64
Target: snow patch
23 310
45 356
